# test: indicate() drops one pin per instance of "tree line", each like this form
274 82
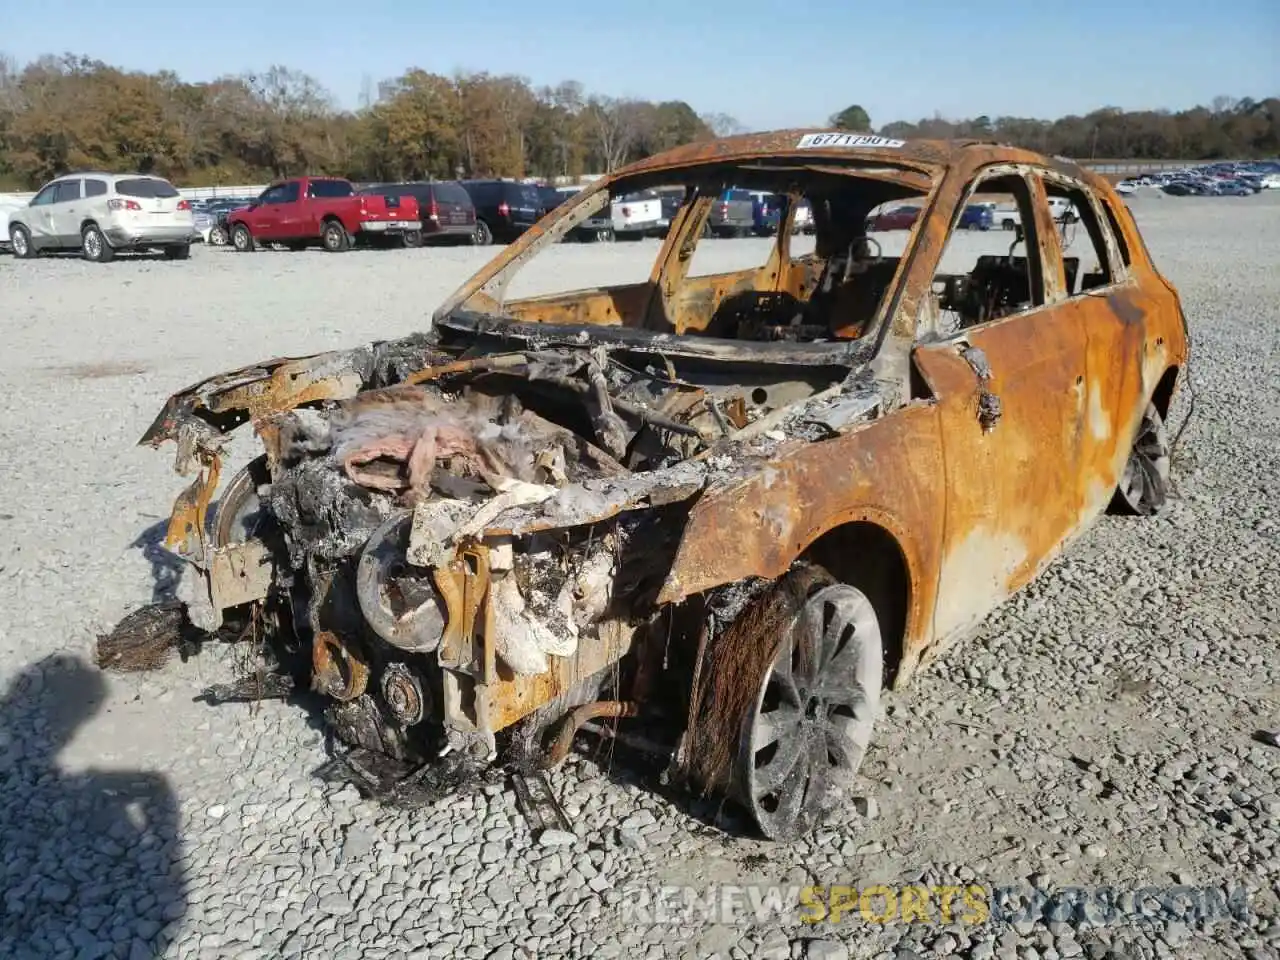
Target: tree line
1228 128
71 112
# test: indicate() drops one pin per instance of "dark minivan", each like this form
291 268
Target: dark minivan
504 208
448 215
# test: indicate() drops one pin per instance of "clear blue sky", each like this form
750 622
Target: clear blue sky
769 63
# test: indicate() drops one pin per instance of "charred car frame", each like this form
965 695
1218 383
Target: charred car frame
734 507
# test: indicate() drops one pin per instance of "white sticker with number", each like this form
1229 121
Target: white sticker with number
815 140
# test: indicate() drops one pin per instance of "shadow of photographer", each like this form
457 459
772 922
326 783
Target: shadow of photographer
90 859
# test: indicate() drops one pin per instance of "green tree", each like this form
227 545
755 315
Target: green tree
852 117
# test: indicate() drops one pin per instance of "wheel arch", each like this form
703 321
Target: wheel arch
869 556
1162 396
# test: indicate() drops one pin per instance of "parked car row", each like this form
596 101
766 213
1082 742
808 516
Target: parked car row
979 215
210 216
650 213
1222 179
102 213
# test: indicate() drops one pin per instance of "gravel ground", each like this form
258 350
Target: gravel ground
1108 727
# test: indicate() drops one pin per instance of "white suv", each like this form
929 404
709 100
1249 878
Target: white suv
100 213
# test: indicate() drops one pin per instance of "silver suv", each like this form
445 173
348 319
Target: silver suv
100 213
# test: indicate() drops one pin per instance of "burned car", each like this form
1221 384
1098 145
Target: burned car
721 512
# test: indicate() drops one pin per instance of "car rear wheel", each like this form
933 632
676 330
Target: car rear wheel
483 235
94 246
412 238
811 720
242 239
334 237
181 251
20 241
1143 489
218 237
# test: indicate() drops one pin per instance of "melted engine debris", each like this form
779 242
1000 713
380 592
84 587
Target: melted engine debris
405 785
550 474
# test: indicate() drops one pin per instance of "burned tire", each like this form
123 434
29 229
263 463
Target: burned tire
1143 489
806 733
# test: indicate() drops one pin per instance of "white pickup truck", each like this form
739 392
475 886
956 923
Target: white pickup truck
638 215
1006 216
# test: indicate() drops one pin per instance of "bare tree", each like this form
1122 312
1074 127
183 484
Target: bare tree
1222 104
723 125
615 127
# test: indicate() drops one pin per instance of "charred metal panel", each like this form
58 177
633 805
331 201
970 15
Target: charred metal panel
888 472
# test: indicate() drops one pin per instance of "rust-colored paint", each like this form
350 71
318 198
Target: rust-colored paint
468 650
186 530
335 669
977 514
588 711
887 472
511 697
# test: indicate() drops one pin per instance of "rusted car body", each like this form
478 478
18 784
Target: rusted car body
732 506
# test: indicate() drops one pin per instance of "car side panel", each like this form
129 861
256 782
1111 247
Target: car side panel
888 472
1135 335
261 220
293 219
36 218
1012 472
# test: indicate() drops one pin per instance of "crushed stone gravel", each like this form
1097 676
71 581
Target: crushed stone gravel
1113 725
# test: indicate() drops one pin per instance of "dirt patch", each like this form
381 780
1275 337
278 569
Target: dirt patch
101 370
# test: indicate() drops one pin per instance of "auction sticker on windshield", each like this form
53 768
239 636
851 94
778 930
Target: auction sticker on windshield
813 140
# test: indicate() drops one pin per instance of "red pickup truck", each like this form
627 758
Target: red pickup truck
305 210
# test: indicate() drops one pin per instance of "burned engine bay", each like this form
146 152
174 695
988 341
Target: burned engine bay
470 533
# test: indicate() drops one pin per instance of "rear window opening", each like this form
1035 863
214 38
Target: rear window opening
451 193
528 195
327 189
147 188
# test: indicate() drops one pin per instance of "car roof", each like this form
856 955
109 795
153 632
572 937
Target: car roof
109 176
806 143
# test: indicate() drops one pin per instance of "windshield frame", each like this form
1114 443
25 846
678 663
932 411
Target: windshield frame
485 293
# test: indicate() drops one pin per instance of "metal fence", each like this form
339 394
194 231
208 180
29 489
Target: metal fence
191 193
